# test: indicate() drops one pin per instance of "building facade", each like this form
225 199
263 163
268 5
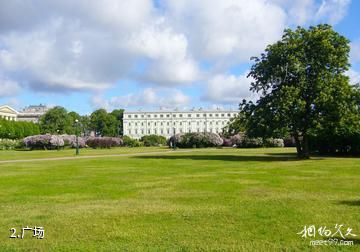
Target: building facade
8 113
168 123
32 113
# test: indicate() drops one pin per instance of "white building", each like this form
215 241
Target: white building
168 123
32 113
8 113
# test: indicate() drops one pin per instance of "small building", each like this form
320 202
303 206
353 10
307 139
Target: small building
32 113
8 113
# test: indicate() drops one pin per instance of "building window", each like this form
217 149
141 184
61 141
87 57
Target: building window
222 115
155 131
129 131
197 115
204 115
168 131
210 115
161 115
174 115
142 132
167 115
148 124
136 131
154 123
129 124
148 116
148 131
162 131
142 124
229 114
189 115
135 124
189 123
155 116
142 116
136 116
167 123
216 115
161 123
180 123
129 116
180 115
189 130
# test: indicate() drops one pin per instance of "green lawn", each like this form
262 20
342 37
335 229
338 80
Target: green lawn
215 199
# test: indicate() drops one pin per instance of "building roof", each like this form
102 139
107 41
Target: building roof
8 109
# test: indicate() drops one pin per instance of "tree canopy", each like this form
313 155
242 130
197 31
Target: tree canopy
103 123
57 120
302 86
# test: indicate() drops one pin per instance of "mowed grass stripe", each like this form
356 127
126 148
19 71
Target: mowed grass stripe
218 199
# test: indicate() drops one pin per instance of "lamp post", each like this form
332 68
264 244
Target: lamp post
77 136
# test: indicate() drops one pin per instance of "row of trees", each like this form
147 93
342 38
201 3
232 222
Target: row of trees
304 93
59 121
17 130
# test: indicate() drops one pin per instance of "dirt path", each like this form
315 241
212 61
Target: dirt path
91 156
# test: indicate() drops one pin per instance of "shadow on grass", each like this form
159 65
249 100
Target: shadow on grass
350 202
269 158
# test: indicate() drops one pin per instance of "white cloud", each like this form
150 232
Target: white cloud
229 89
154 97
354 76
170 62
64 45
226 30
355 51
332 11
8 87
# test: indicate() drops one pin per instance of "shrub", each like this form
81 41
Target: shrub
248 142
9 144
274 142
227 142
70 141
43 142
153 140
289 142
130 142
103 142
196 140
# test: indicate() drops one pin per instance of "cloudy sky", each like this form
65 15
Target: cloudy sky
147 54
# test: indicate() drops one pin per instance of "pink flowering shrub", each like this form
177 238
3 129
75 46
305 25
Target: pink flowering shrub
70 141
43 142
103 142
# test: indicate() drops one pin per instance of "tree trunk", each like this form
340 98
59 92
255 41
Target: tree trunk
305 149
297 144
302 146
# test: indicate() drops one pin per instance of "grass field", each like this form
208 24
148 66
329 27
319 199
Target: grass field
206 199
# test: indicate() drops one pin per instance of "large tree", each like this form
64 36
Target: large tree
302 85
103 123
56 120
119 114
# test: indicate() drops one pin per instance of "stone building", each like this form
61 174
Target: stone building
32 113
168 123
8 113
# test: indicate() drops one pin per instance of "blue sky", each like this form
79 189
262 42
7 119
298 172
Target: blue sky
145 54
